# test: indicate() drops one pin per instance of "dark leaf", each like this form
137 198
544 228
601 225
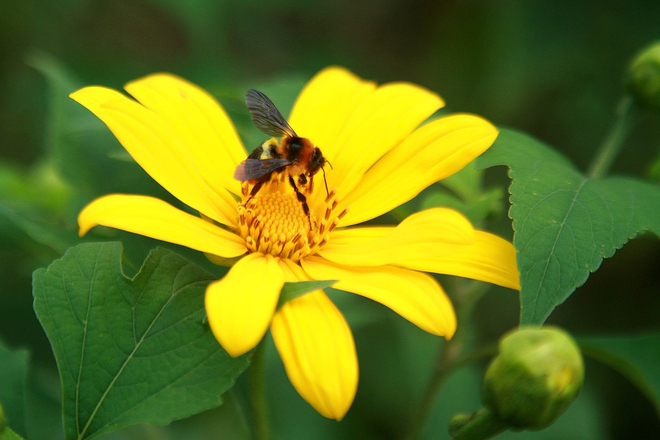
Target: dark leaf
130 350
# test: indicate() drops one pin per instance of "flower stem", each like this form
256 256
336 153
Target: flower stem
626 115
258 393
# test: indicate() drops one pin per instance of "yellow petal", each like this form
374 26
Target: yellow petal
317 349
159 150
413 295
433 152
421 236
490 258
350 237
199 121
380 122
354 123
325 104
154 218
240 306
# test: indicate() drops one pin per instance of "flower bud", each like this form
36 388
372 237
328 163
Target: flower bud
643 76
534 379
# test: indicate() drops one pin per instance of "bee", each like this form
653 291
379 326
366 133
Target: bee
297 155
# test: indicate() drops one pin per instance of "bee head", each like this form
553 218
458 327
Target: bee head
317 162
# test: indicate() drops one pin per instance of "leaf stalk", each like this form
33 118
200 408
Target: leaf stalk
626 116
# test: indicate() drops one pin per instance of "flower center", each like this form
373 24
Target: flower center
274 222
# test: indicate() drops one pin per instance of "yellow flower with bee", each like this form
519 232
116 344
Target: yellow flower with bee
288 229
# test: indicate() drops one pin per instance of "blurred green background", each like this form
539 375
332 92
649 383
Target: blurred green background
551 68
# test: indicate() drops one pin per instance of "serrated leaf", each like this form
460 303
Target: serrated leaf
564 222
636 358
14 365
130 350
294 290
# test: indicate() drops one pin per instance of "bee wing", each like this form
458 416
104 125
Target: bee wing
251 169
265 116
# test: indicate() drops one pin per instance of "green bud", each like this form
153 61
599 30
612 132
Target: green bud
534 379
643 76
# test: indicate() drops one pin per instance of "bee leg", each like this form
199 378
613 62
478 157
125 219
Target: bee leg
302 199
255 189
302 180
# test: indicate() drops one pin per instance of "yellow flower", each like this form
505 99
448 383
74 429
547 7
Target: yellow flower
380 159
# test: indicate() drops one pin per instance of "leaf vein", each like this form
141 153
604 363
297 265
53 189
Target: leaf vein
554 244
123 366
84 341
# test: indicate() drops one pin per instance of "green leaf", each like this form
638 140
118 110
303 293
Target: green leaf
464 191
476 209
636 358
8 434
29 397
43 419
40 231
33 206
565 223
14 366
294 290
130 350
80 146
467 183
654 170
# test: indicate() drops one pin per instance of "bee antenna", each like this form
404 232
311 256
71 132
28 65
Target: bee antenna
325 182
328 162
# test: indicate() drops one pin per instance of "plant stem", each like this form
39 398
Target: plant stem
626 116
481 425
432 389
450 356
258 393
